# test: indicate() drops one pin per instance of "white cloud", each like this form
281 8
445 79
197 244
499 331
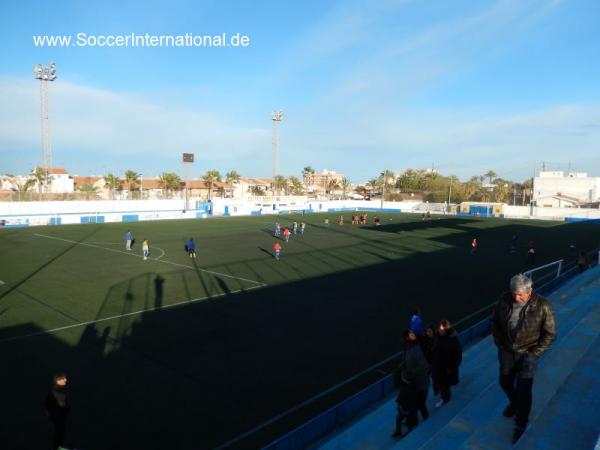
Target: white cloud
105 124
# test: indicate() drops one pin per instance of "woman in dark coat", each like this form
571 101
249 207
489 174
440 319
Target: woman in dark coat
447 356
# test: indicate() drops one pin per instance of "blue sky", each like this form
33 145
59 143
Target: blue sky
468 86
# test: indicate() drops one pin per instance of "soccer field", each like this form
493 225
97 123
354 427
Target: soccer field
173 352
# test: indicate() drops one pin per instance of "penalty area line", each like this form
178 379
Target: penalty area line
119 316
259 283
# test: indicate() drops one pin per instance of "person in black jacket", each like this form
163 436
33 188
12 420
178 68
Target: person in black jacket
57 408
447 356
406 404
415 370
524 327
427 343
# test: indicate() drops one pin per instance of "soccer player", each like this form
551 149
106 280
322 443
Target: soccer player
286 234
473 246
302 227
531 256
145 249
295 227
326 222
277 250
191 248
277 232
341 220
513 244
376 221
128 239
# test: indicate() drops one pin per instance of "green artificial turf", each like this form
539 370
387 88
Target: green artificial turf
190 353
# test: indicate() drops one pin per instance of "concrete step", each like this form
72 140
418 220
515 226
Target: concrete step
570 418
485 409
476 402
374 430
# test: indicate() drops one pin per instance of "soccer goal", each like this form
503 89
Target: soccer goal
546 273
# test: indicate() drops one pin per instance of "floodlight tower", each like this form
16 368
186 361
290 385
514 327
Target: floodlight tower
277 117
45 74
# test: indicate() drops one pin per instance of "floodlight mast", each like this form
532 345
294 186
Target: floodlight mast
277 117
45 74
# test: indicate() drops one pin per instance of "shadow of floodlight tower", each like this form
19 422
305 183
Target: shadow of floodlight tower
45 74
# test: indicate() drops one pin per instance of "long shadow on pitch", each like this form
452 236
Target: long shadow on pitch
47 263
200 374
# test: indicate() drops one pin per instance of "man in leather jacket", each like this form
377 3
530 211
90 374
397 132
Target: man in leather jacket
524 327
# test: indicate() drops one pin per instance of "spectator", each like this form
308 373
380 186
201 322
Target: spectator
57 408
447 356
582 263
416 322
415 370
428 342
524 327
531 256
406 403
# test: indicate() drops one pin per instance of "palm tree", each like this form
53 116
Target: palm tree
308 170
407 181
232 178
24 187
88 189
490 174
40 176
527 189
333 185
114 183
211 177
361 189
169 182
373 184
346 183
257 191
385 178
279 183
296 185
132 178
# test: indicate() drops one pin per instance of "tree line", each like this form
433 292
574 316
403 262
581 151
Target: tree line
437 188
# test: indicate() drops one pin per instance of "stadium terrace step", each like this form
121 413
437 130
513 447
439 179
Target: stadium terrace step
570 418
481 424
374 430
473 418
555 368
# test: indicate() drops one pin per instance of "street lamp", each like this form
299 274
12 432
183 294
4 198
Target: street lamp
45 74
449 194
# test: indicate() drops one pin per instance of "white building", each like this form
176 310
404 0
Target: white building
555 189
59 181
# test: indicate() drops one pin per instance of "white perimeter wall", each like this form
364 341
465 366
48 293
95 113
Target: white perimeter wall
91 207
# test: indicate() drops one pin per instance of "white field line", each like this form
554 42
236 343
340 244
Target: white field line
260 283
118 243
90 322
